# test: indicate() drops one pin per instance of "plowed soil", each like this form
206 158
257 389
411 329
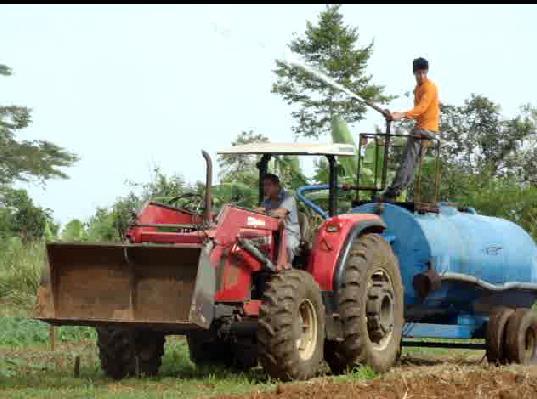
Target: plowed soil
442 378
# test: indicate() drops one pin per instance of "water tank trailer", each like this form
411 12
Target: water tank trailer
465 275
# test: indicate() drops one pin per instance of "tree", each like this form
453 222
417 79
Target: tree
332 47
74 230
21 159
101 226
242 170
478 138
20 217
233 165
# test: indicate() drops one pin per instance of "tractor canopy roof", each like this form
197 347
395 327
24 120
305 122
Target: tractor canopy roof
340 150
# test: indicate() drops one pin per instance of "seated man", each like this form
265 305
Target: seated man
279 204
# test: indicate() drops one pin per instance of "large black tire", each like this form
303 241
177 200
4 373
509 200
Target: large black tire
121 348
290 333
521 337
370 304
206 348
495 336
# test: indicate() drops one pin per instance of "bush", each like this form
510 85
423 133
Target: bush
20 270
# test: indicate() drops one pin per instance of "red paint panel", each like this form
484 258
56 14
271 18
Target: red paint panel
327 245
155 213
251 308
236 271
171 238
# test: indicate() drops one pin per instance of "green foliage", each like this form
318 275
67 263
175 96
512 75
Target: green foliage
20 270
21 159
500 197
74 230
241 165
239 175
101 226
478 138
20 332
20 217
331 47
110 224
235 192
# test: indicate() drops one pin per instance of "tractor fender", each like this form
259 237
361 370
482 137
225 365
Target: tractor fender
332 246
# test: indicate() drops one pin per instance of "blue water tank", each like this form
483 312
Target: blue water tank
493 250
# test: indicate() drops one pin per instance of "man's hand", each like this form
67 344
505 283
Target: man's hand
279 213
397 116
260 210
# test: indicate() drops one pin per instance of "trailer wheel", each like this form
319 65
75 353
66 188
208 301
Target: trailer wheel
370 304
521 337
290 333
120 349
496 335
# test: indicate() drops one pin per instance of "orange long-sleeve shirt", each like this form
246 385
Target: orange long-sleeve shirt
426 107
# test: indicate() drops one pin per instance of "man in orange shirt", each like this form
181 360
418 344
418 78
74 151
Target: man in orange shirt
426 112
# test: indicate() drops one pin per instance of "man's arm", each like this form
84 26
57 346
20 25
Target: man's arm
425 101
280 213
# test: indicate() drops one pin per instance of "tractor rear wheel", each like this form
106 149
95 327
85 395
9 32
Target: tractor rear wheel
521 337
370 305
496 335
290 333
125 351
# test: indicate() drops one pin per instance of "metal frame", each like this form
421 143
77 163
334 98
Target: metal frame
387 141
332 180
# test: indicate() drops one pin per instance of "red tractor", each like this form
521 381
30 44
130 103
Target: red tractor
225 282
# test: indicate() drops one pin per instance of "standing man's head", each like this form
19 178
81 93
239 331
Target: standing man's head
271 186
420 67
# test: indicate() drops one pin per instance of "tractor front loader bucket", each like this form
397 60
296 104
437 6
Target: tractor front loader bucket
169 287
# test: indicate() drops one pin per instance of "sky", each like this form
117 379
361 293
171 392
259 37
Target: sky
132 87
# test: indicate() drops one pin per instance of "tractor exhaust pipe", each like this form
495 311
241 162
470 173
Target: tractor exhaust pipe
208 186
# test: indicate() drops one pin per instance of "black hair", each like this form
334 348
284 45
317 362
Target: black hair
420 64
272 177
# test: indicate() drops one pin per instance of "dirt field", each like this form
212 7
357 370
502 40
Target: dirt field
30 369
419 378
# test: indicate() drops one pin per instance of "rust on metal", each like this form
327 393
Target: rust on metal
208 184
134 283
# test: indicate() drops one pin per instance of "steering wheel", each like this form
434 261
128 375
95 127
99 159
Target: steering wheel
196 203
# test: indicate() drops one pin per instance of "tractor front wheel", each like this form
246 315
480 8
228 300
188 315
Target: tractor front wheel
370 304
125 351
290 332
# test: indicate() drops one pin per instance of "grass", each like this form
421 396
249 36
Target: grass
30 369
20 271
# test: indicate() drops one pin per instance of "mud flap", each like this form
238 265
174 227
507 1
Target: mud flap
92 284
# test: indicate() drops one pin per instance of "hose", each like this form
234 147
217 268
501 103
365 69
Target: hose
309 203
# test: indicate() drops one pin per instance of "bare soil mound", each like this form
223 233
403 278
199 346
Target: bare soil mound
447 380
